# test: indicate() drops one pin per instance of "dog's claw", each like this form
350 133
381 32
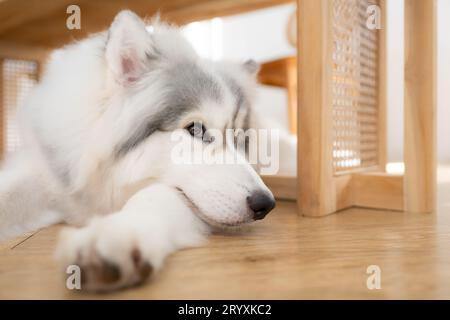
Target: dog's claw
109 272
145 270
104 275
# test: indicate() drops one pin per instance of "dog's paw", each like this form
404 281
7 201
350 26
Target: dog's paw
109 257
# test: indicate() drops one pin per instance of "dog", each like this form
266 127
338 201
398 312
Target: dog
97 152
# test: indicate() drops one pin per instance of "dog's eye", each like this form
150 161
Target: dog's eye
198 130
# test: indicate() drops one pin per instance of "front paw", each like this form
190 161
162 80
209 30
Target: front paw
109 256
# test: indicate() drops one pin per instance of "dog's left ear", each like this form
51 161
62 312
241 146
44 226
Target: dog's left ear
251 66
128 47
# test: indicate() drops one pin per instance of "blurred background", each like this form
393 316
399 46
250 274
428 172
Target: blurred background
28 31
262 35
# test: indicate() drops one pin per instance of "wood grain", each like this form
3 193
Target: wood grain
420 105
283 188
316 189
25 52
283 73
43 22
292 94
282 256
378 190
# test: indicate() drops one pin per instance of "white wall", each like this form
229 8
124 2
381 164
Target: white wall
395 84
261 35
444 80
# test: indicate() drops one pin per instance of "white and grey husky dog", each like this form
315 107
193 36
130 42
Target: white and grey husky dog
97 144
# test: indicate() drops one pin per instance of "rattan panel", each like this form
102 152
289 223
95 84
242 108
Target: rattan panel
19 76
355 87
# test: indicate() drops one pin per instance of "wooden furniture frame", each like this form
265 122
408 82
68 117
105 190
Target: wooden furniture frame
283 73
16 52
29 28
321 190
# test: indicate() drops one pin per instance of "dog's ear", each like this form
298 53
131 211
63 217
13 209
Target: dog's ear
251 66
128 47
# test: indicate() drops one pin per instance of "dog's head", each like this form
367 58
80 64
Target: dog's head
163 98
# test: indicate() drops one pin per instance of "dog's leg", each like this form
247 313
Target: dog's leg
123 248
24 199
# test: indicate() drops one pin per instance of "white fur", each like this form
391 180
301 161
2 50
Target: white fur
155 221
91 96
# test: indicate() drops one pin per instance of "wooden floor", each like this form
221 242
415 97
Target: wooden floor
283 256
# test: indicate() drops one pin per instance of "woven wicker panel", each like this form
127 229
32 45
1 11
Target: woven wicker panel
355 87
19 77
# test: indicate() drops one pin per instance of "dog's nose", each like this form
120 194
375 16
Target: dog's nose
261 204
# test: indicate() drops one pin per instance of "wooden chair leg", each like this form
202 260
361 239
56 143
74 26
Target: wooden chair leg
420 105
316 184
291 75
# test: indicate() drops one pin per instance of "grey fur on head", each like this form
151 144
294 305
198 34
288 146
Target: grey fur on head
187 85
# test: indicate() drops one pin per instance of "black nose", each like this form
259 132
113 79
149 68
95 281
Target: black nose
261 203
